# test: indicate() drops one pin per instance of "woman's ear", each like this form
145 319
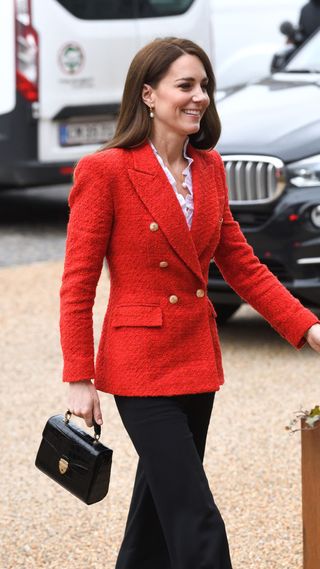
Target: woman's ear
147 94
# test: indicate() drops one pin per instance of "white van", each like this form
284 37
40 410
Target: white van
62 66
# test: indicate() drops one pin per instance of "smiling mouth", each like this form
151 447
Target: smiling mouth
192 112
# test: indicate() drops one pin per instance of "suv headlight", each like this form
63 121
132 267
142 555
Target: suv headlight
305 173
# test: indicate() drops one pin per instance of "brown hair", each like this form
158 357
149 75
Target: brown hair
150 65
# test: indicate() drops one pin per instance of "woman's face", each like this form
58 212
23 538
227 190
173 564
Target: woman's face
180 99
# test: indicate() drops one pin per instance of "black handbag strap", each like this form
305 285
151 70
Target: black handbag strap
97 428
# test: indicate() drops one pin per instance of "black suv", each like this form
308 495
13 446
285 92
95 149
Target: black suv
270 145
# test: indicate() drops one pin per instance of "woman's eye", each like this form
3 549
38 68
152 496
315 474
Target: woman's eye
186 86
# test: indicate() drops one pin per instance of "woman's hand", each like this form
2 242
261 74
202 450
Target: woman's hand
313 337
83 401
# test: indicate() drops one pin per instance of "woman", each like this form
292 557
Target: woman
154 202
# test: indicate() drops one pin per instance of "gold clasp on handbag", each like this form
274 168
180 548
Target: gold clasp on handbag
63 465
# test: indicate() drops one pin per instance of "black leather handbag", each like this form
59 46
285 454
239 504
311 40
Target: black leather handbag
75 459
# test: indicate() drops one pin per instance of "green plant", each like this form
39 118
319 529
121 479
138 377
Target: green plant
311 419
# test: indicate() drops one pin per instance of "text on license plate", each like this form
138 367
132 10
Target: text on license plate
74 134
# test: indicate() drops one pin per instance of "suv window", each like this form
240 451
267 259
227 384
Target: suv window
124 9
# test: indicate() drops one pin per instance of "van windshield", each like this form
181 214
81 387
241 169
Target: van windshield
124 9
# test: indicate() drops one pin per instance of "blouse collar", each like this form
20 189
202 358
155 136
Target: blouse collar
185 155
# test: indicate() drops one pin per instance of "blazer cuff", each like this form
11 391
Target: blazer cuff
77 370
303 339
308 322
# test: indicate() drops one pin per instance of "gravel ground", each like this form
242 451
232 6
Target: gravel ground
252 464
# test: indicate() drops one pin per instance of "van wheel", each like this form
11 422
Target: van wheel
225 311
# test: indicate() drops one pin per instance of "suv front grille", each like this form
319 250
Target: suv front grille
253 178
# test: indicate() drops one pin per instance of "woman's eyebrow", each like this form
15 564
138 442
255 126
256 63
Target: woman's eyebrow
191 79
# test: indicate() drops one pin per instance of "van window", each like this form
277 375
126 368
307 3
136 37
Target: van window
124 9
100 9
156 8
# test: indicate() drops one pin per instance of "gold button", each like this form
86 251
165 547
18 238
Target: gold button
163 264
173 299
154 226
200 293
212 260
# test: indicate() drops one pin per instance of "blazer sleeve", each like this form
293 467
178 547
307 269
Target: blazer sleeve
88 232
254 282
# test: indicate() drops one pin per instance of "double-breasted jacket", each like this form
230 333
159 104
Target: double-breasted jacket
159 335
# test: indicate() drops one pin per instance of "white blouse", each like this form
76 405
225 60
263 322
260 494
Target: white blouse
185 202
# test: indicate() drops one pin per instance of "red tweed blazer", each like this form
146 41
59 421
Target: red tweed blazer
159 335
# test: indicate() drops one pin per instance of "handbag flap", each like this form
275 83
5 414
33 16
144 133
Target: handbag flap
71 441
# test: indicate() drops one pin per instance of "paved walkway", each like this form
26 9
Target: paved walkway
252 464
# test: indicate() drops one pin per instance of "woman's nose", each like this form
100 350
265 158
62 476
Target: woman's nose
200 95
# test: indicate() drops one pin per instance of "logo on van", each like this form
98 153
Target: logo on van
71 58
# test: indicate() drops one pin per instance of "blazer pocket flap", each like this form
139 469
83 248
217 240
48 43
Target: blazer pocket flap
137 315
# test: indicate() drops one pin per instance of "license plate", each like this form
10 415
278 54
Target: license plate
95 132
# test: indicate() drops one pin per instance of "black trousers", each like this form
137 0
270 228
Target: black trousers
173 521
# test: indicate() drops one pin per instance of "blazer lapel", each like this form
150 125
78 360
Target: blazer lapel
206 216
158 196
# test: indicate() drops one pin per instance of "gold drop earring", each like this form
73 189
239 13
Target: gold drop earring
151 113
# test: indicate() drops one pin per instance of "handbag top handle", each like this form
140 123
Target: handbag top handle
97 428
